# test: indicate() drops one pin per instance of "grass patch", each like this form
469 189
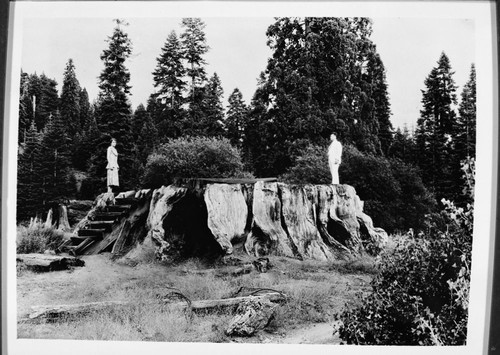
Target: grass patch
36 238
315 290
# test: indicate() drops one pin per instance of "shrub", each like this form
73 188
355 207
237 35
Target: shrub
393 192
192 157
420 296
36 238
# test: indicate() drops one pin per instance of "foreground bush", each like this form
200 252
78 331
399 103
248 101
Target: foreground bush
421 295
36 238
393 192
192 157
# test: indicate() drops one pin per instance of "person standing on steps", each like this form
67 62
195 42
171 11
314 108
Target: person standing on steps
112 166
334 158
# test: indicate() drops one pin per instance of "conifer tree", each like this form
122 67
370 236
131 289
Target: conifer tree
435 129
169 74
85 110
55 155
166 106
195 46
465 142
113 109
25 108
29 189
212 111
236 118
324 76
70 100
47 101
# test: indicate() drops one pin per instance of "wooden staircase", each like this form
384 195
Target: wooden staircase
102 229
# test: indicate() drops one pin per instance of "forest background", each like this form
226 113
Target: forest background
324 75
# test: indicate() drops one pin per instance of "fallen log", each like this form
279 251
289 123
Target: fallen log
48 262
204 305
68 311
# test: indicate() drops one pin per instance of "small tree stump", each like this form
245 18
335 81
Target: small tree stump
251 316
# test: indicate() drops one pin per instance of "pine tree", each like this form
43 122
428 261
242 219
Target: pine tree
25 108
113 109
212 118
435 129
324 76
165 104
236 118
465 141
47 101
380 95
169 73
402 146
70 100
29 190
55 153
195 47
86 113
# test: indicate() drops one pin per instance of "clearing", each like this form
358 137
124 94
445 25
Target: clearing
316 290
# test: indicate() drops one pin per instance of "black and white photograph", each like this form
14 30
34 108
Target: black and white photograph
249 176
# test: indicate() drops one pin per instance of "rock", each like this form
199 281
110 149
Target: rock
251 316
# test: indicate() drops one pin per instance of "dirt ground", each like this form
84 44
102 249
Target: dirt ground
319 290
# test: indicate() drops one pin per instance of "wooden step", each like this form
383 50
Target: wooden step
77 250
91 233
78 239
118 208
107 216
106 225
126 201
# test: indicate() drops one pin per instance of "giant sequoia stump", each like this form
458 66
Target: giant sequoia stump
207 217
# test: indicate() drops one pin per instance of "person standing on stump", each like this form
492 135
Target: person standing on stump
112 166
334 158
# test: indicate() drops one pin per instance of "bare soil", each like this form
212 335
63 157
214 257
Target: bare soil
317 292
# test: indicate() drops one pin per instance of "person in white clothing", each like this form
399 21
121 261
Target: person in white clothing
112 166
334 158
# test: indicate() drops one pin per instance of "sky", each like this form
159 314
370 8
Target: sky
409 48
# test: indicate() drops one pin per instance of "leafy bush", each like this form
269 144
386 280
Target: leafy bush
393 192
192 157
420 296
36 238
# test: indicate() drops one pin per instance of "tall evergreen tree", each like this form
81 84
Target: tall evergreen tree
435 129
86 112
382 107
113 109
212 112
237 112
195 46
25 108
324 76
47 101
402 146
55 153
465 141
169 74
70 100
29 190
166 106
